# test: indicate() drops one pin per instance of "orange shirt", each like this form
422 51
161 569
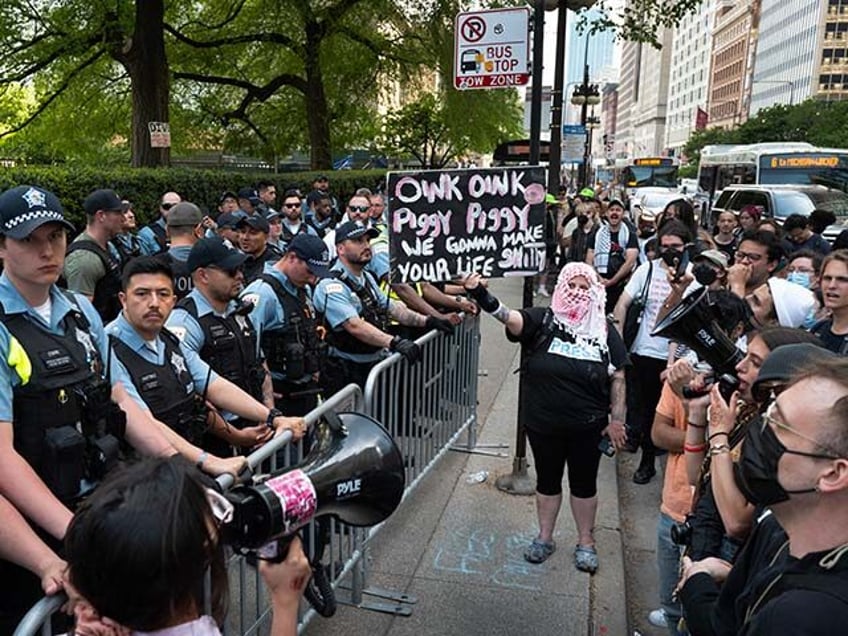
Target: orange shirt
677 492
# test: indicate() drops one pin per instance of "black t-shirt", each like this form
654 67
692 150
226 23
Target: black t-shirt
838 343
566 385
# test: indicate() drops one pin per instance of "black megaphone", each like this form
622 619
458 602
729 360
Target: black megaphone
693 323
353 472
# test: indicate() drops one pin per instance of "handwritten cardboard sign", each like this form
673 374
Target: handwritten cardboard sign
448 223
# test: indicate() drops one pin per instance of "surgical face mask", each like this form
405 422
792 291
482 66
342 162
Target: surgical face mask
756 472
704 274
800 278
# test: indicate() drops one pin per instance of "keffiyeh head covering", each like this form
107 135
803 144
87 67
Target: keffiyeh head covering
580 312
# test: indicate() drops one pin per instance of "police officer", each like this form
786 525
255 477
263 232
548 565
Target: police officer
291 216
286 323
154 236
184 230
174 383
90 267
356 313
253 240
59 425
214 325
126 244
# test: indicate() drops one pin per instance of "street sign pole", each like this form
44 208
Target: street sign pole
519 482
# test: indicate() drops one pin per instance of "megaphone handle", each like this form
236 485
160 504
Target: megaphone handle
274 552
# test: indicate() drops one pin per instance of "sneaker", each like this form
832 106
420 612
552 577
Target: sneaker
657 618
538 551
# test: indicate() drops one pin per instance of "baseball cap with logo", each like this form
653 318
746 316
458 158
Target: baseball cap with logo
250 194
185 214
314 251
25 208
213 251
353 230
106 200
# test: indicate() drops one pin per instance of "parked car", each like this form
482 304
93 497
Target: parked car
779 201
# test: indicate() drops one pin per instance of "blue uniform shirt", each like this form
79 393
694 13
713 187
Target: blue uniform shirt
147 239
339 303
124 331
268 313
95 338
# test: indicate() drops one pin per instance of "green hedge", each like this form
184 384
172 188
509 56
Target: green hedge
144 186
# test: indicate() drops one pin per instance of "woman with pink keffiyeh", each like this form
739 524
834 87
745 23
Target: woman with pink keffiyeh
573 398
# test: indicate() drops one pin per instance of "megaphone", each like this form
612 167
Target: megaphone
693 323
354 472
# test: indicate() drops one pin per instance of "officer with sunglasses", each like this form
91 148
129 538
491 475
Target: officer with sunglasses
154 236
291 215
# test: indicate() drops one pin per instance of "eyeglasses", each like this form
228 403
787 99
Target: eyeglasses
770 420
749 256
167 205
359 208
291 205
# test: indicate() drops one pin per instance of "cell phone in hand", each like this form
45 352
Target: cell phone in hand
606 446
682 264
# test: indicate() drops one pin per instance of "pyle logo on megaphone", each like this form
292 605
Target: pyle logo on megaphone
348 488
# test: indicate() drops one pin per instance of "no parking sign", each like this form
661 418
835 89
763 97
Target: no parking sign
491 49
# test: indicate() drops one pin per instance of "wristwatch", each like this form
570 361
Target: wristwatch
272 413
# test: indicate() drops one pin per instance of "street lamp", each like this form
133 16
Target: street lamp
592 122
784 82
585 95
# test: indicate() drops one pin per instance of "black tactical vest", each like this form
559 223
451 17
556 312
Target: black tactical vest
183 282
167 389
127 253
105 300
229 347
295 350
160 234
49 407
254 266
372 312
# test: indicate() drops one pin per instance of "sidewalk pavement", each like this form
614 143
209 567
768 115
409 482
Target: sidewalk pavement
457 545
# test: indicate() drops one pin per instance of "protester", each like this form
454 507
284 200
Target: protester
749 218
612 250
650 354
573 358
779 302
90 268
799 235
709 268
834 286
790 578
725 237
146 571
755 260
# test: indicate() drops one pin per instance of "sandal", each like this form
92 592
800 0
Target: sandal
586 558
538 551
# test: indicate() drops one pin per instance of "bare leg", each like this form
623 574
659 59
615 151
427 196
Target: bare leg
547 509
583 511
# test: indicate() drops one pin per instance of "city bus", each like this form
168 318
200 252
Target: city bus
650 172
784 163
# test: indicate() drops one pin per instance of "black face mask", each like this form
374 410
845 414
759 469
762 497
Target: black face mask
647 232
704 274
671 257
582 219
756 472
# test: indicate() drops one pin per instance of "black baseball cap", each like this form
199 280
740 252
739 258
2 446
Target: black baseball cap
250 194
106 200
786 361
213 251
227 194
230 219
314 251
353 230
256 221
25 208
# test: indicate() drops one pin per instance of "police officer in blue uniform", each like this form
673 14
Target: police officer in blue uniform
154 236
286 323
172 382
215 325
356 313
184 230
60 420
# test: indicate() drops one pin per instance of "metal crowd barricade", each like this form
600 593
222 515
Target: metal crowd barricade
426 407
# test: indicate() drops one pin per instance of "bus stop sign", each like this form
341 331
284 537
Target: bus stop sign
491 49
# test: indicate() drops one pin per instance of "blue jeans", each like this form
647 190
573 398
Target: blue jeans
668 567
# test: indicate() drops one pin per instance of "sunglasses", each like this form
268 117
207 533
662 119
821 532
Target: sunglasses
291 205
359 208
168 205
232 272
